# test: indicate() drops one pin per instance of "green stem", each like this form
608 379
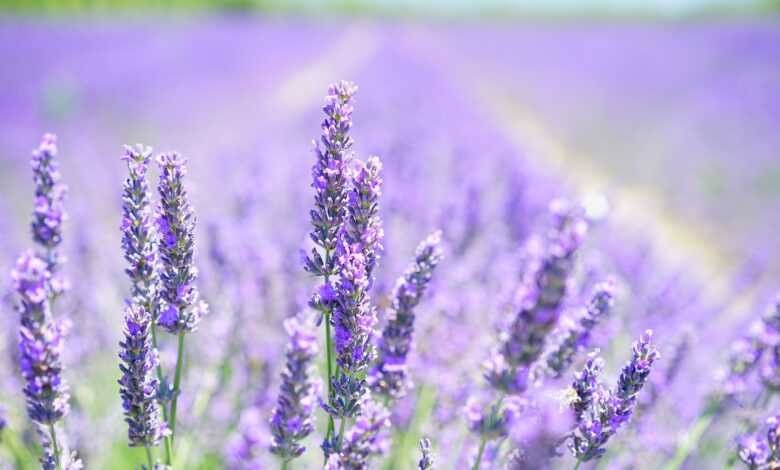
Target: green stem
341 430
55 445
579 462
149 459
690 441
329 359
285 464
161 380
481 451
176 385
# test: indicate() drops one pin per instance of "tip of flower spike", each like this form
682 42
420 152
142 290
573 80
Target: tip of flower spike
29 277
343 89
138 153
171 160
48 146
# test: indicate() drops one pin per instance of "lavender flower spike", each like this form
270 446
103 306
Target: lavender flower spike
561 355
364 227
366 438
180 309
389 376
426 458
762 453
610 409
138 385
40 343
542 293
139 240
292 417
49 213
330 177
586 386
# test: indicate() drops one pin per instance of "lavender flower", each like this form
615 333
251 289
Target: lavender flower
561 355
495 421
49 213
40 343
389 376
426 455
180 308
366 437
542 293
139 240
292 417
138 385
364 227
330 177
586 386
609 409
761 453
3 422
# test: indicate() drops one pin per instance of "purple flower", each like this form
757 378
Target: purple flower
180 307
389 376
541 295
139 239
426 455
330 177
560 355
365 439
364 227
40 343
609 409
49 212
138 385
586 386
292 418
494 421
3 421
761 453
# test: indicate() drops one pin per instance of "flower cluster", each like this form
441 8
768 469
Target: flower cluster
292 417
40 343
180 307
762 453
363 226
575 336
494 421
49 212
330 177
365 439
541 295
427 460
599 411
389 376
138 384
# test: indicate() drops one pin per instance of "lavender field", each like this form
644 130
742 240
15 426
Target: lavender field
357 244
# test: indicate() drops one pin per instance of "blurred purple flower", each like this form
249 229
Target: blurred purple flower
49 212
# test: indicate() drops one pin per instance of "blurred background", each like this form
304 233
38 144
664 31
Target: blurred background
664 114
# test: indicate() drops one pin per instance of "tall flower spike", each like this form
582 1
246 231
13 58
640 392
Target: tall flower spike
330 178
180 309
610 409
541 295
40 343
364 227
426 455
138 385
389 376
292 418
586 386
49 212
139 239
560 355
366 437
759 452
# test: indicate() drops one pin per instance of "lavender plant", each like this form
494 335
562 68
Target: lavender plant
49 213
761 452
427 461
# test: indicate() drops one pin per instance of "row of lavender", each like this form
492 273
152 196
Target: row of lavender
348 232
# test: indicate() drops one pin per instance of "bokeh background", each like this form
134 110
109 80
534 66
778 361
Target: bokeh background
664 114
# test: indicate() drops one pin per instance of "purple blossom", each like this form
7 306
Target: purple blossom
138 385
40 343
389 375
180 307
493 421
292 418
586 386
561 354
427 461
365 439
363 226
761 452
541 295
49 212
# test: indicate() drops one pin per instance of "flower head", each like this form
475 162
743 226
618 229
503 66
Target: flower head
49 212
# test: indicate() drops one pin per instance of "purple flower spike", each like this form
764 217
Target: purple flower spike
608 409
292 418
427 461
138 385
364 227
761 453
541 295
559 357
180 307
40 343
366 438
49 212
330 177
389 376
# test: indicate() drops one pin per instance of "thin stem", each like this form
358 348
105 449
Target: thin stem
176 385
690 441
149 459
161 380
329 359
579 462
478 462
285 464
341 430
55 446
